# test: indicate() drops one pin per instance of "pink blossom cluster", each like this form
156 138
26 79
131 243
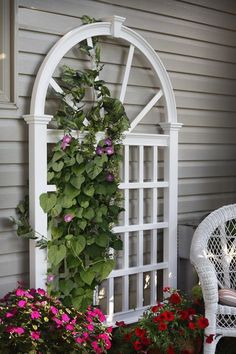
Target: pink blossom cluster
29 318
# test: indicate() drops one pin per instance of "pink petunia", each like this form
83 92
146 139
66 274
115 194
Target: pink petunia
35 335
65 317
69 327
41 292
18 330
90 327
22 303
54 310
35 315
9 315
20 292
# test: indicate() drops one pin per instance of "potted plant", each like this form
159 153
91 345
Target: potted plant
33 322
170 327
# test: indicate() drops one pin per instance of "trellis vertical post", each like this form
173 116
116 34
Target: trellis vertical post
37 186
170 202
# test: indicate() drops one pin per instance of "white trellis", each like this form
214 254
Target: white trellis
39 136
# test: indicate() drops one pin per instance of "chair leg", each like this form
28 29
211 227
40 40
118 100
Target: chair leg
210 348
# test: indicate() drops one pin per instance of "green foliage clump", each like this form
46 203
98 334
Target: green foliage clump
87 202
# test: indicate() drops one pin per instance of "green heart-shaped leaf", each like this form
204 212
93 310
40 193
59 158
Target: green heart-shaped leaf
57 166
47 201
77 181
87 276
56 253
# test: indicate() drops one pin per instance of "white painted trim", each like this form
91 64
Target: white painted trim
113 28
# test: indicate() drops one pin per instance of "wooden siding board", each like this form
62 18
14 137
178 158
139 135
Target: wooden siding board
168 8
13 264
13 175
11 282
58 24
11 243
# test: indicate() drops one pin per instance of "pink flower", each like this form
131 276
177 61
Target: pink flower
22 303
69 327
41 291
110 177
99 150
58 322
79 340
109 150
9 314
108 142
90 327
85 335
65 317
50 278
18 330
68 217
35 335
66 142
20 292
54 310
35 315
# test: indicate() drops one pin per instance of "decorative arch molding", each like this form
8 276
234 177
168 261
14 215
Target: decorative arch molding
116 29
39 136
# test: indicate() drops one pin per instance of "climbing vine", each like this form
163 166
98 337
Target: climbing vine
87 201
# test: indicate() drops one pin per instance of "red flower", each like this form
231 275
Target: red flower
191 311
137 345
202 322
146 341
175 298
140 332
170 350
191 325
120 324
157 319
166 289
155 308
169 316
210 338
183 315
162 326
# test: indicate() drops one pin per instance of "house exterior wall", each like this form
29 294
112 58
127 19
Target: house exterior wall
196 40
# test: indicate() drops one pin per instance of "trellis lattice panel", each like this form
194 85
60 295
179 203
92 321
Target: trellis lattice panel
138 278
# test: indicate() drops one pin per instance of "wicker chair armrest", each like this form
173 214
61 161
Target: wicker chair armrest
208 281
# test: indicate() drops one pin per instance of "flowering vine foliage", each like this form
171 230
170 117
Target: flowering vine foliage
172 327
85 171
33 322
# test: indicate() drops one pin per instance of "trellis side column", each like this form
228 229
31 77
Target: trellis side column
170 202
37 186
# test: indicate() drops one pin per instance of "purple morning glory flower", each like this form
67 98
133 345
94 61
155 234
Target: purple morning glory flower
108 142
109 150
66 141
110 177
50 278
99 150
68 217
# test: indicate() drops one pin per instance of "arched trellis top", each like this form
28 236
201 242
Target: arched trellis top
115 28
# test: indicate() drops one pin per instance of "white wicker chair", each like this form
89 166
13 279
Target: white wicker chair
213 254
